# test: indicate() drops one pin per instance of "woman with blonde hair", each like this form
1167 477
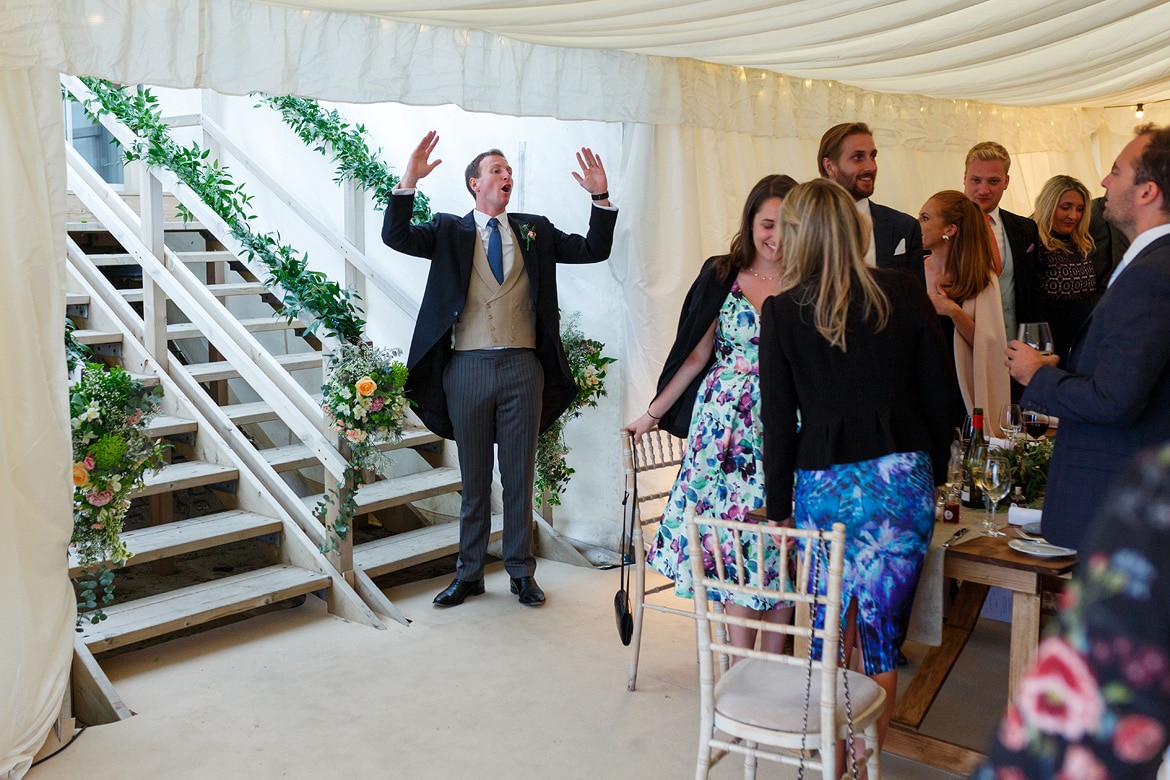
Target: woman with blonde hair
858 354
1067 282
963 283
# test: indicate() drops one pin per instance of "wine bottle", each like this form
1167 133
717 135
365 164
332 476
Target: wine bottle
976 452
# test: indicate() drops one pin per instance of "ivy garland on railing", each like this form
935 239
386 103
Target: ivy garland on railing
325 132
310 295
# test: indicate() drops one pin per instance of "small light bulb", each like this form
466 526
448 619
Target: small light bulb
1140 111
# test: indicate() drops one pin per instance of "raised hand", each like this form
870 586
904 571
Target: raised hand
419 165
592 176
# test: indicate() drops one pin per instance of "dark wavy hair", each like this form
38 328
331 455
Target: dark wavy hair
743 246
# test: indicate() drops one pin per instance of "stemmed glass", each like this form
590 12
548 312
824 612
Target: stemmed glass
995 478
1036 335
1035 423
1011 420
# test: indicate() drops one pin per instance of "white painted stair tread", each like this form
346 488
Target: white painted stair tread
414 547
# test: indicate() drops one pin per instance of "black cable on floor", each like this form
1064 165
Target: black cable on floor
76 734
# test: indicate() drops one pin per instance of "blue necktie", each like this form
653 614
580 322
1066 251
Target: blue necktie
496 250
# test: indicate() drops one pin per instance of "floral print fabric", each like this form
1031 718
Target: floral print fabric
1095 704
721 474
887 506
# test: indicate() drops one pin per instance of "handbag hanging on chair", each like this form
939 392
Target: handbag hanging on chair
621 599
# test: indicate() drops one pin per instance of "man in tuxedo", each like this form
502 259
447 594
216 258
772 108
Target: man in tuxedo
848 156
985 177
486 362
1114 397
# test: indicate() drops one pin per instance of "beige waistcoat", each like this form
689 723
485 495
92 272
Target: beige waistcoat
496 315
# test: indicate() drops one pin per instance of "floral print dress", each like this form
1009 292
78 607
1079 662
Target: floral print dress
721 474
1095 704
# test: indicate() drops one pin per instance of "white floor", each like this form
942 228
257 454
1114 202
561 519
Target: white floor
489 689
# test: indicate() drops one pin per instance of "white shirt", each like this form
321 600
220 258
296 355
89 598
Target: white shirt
507 242
1007 279
1139 243
871 253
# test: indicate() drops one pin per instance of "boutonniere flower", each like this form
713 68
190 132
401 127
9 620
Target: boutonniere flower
528 234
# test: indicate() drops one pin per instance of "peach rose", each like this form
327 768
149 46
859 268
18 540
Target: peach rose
80 475
1060 695
100 499
365 386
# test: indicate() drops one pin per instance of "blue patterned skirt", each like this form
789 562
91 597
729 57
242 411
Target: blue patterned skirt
887 506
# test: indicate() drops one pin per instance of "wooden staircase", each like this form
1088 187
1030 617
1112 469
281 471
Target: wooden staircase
241 512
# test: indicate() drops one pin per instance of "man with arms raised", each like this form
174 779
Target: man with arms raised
848 156
486 362
1114 397
985 177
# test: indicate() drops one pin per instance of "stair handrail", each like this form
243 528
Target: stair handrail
258 367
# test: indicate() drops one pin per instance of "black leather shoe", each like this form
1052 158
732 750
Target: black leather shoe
457 591
529 592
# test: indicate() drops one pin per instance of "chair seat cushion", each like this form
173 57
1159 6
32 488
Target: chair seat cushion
771 695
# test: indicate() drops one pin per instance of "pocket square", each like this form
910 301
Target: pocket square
900 249
1031 248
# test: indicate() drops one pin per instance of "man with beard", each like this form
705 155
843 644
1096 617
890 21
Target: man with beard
847 155
1114 397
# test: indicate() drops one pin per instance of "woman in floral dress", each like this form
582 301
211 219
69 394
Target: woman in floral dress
1095 704
709 394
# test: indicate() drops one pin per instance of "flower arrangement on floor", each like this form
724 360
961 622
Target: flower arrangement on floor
112 452
365 404
588 366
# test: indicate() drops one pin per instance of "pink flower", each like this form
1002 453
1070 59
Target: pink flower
1138 738
1060 695
97 526
88 462
1010 773
134 418
100 499
1012 733
1081 764
376 404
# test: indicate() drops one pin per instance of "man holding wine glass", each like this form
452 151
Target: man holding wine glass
1114 397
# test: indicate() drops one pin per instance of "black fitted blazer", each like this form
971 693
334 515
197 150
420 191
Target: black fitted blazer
892 391
448 241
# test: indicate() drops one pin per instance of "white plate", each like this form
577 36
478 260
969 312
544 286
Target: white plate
1040 549
1031 529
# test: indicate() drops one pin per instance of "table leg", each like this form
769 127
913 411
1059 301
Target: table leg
1025 635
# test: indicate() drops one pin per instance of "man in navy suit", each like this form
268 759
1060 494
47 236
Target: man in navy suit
848 156
985 177
1114 397
486 362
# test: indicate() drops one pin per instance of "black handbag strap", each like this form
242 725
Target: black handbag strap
630 511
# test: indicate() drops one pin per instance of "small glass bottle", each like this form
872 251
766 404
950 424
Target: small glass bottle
1017 498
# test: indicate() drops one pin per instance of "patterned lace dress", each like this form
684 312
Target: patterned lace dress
721 473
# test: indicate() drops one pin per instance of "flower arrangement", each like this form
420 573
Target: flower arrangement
588 366
365 403
1029 466
112 452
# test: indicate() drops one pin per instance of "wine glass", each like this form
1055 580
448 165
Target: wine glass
996 480
1036 335
1035 423
1011 420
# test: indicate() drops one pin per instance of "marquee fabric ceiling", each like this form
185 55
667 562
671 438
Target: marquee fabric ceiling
1010 52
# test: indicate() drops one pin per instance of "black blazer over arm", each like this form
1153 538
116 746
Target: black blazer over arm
699 309
448 242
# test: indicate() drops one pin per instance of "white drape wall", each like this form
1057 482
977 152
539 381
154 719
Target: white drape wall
36 599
